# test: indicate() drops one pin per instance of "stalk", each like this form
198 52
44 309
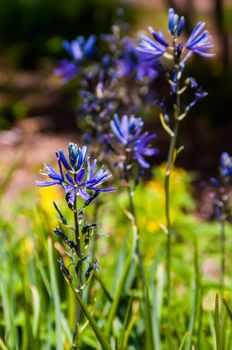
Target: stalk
79 277
170 163
167 204
223 244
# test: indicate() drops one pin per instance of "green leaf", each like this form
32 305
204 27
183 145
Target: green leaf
100 336
217 323
55 294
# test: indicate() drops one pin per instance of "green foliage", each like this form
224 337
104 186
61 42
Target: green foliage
37 306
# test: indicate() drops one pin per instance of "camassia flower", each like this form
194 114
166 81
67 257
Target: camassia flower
175 23
66 70
80 48
199 41
151 49
225 164
74 176
127 132
130 63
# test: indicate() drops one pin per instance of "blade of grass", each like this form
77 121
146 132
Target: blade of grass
106 292
149 341
125 323
217 323
183 341
100 336
155 317
36 309
200 316
66 328
2 345
121 284
128 332
55 294
195 297
9 318
227 308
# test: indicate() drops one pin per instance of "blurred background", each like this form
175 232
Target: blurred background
37 115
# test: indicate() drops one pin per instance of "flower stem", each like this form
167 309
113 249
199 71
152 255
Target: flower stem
223 245
100 336
170 164
78 270
167 204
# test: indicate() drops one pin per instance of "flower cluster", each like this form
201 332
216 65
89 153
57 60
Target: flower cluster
199 41
79 50
130 63
128 133
220 193
75 177
152 50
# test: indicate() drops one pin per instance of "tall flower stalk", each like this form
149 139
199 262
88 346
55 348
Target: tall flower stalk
132 146
159 49
82 183
221 198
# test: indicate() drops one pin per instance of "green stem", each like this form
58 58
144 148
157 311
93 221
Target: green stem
79 277
100 336
223 244
170 164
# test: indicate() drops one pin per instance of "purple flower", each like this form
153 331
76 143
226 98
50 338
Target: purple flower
151 49
66 70
200 41
56 178
80 48
72 175
128 133
225 164
96 177
132 62
175 23
77 156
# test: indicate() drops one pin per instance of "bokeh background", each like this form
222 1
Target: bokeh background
37 115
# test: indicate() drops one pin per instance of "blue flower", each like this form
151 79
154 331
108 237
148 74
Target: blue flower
96 177
72 175
128 133
80 48
132 62
175 23
151 49
200 42
56 178
77 156
66 70
225 164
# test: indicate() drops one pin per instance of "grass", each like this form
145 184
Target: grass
37 308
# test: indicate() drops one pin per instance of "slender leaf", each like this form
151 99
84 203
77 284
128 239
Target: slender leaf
217 323
56 298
